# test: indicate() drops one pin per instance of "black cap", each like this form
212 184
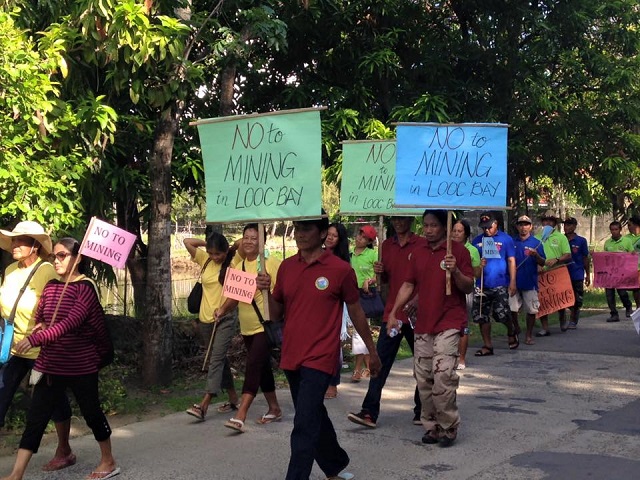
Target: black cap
487 219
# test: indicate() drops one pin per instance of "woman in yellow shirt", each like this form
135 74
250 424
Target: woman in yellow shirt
258 373
215 308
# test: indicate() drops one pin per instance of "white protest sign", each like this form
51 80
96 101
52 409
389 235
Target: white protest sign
489 248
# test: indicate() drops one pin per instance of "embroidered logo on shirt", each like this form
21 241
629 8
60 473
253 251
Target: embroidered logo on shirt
322 283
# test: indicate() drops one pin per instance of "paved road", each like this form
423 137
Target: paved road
565 408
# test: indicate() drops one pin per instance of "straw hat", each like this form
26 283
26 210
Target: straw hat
26 229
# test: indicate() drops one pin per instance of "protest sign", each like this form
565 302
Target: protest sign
554 291
239 285
451 166
635 318
369 179
615 270
489 248
107 243
262 167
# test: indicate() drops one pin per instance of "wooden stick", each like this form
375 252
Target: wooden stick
254 115
448 273
265 220
263 269
481 290
379 231
206 357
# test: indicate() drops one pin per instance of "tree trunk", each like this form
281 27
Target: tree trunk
157 328
227 84
129 219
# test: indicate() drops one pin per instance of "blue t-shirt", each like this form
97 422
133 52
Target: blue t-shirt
527 272
579 251
496 273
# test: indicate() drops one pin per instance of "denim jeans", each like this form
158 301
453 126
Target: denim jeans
387 348
313 436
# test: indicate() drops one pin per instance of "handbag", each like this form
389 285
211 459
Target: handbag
372 303
6 332
195 296
272 329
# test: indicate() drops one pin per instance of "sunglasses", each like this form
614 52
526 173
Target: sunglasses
62 255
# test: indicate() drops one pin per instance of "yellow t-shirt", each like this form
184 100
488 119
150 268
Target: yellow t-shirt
24 321
249 323
211 288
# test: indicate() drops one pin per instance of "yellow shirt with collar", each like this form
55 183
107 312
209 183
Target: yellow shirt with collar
249 322
14 279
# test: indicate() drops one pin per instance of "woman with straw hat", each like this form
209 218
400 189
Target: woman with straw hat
30 247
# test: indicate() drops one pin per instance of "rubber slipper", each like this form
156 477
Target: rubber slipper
529 341
104 475
227 407
343 476
461 366
269 418
195 411
484 352
59 463
543 333
235 424
516 344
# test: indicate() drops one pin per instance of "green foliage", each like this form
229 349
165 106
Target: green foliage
47 145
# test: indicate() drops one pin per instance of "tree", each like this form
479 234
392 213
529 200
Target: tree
48 145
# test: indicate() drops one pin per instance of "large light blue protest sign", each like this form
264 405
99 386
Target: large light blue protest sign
489 248
451 166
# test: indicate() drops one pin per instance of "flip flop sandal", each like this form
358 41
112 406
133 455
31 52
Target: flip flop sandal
529 342
227 407
484 351
104 475
269 418
196 411
516 344
235 424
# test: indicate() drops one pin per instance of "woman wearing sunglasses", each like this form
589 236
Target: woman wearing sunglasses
75 344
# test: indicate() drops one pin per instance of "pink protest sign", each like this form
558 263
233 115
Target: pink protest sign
107 243
615 270
239 285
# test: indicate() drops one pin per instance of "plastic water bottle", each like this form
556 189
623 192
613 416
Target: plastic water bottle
396 330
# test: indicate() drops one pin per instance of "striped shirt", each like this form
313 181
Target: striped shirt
78 343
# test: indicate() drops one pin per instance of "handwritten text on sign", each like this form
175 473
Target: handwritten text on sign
451 165
369 178
107 243
554 291
615 270
239 285
262 167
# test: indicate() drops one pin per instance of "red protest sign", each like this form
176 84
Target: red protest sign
615 270
554 291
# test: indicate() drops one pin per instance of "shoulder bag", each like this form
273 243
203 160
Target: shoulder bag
6 328
371 303
195 297
272 329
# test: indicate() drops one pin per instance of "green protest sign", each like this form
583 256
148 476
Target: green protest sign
262 167
369 179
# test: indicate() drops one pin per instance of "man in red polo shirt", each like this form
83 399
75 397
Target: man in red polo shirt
396 258
309 294
440 320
